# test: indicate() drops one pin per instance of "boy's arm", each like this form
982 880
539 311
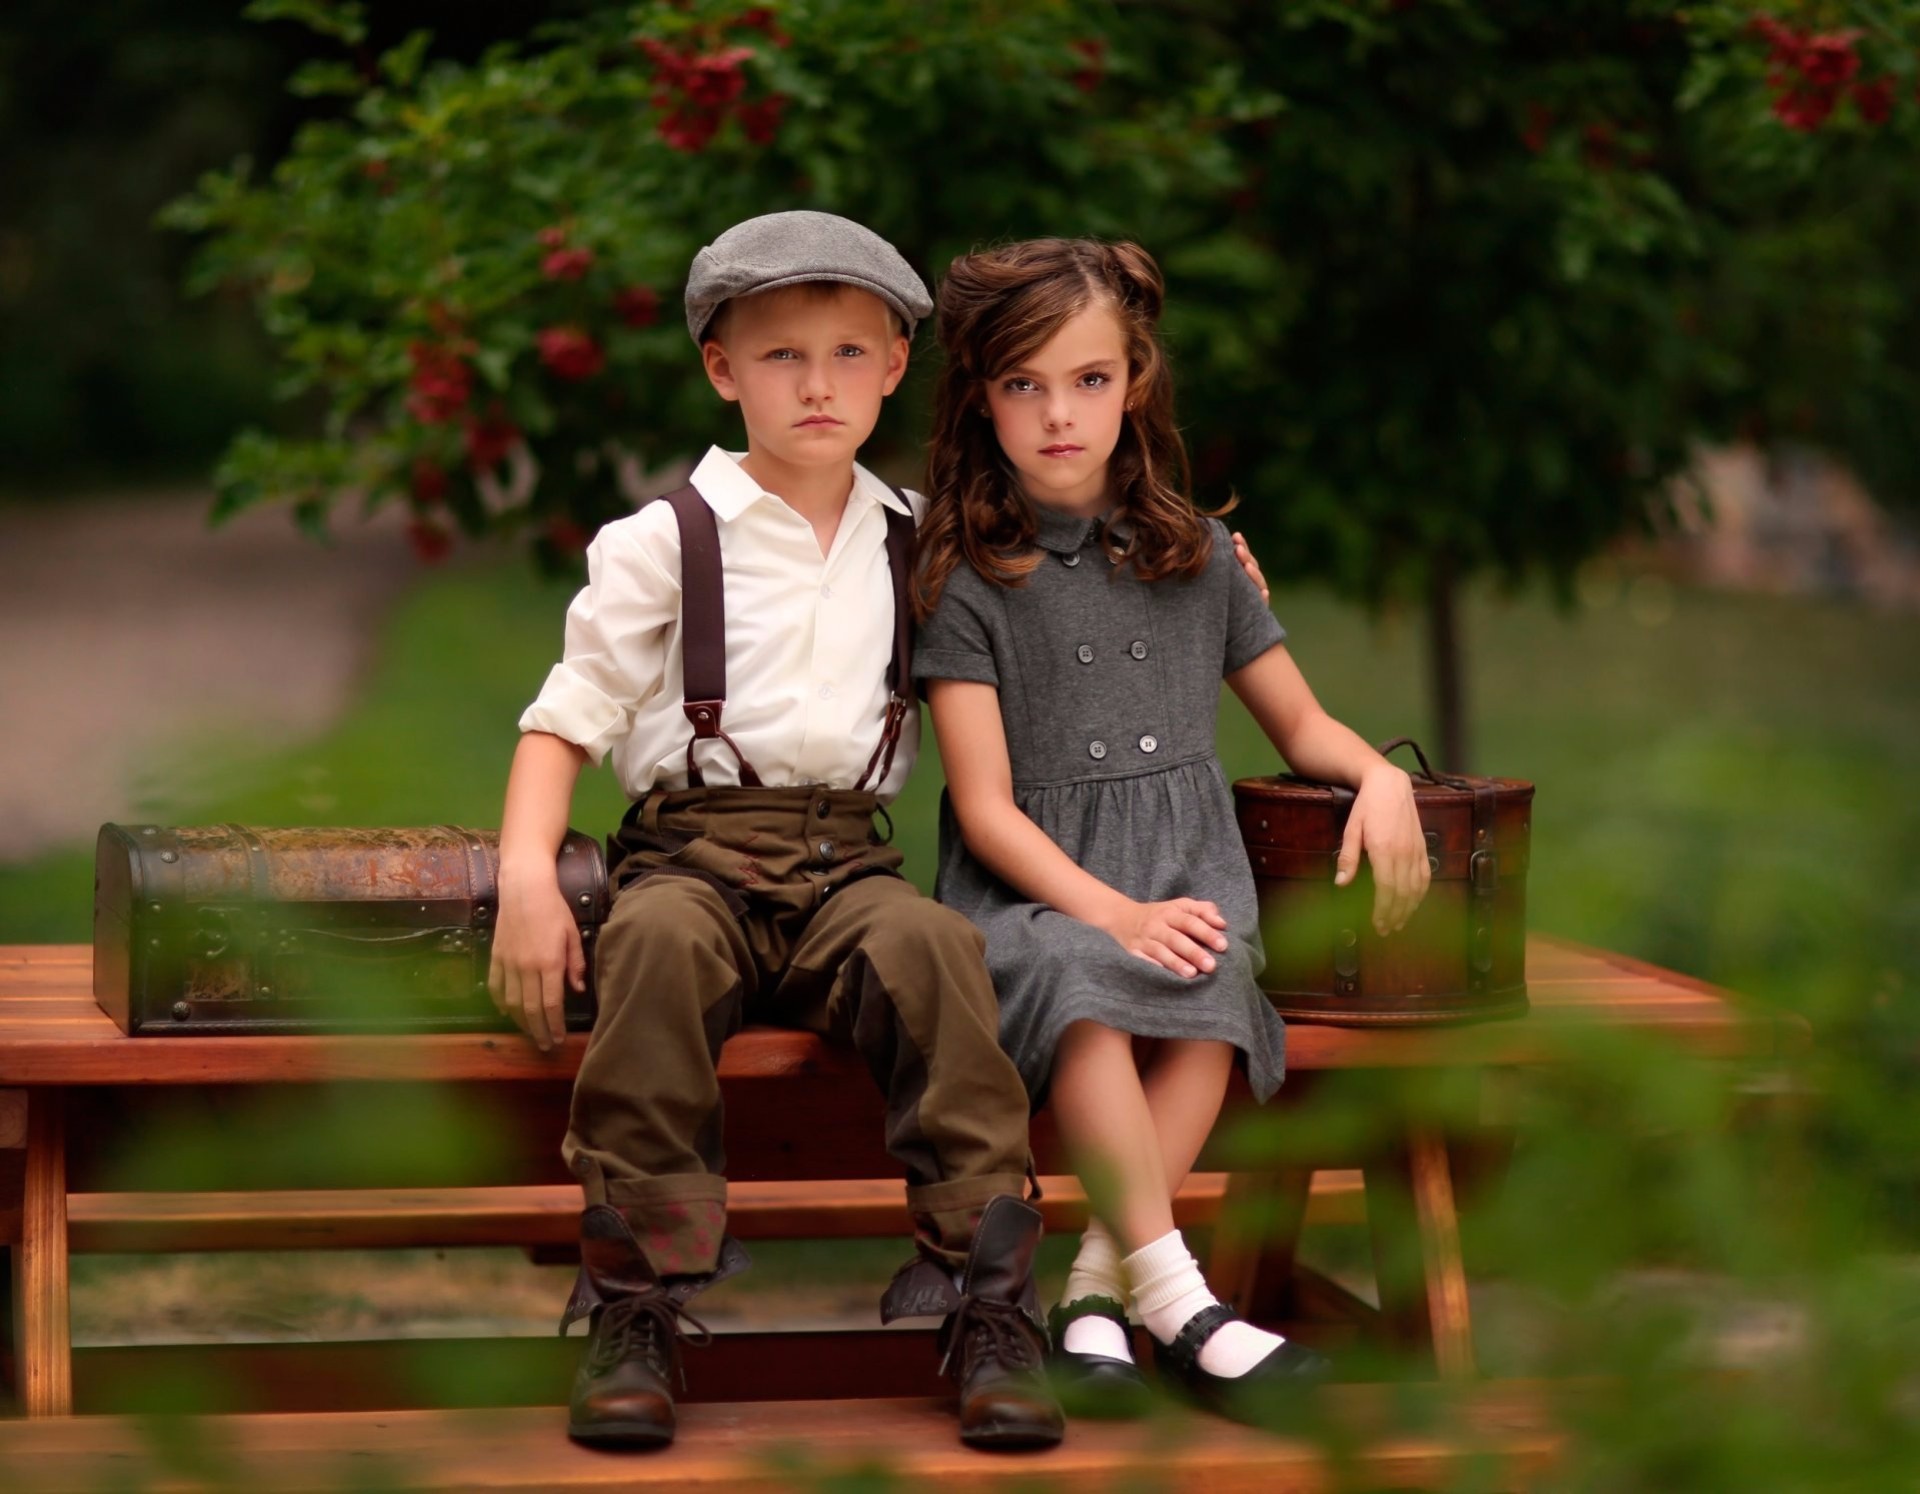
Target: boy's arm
1180 934
616 629
536 950
1383 821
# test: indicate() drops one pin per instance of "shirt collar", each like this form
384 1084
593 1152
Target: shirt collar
1065 533
730 492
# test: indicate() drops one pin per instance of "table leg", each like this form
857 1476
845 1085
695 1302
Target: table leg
1448 1311
1251 1264
1424 1299
41 1343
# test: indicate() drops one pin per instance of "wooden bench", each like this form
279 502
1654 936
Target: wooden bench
1504 1434
74 1090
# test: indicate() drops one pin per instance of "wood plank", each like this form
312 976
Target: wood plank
1503 1435
40 1335
69 1041
396 1373
365 1219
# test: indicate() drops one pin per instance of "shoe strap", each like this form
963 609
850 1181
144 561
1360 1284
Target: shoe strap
1192 1337
1065 1314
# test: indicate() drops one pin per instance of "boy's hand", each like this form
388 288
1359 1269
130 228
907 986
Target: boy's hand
1177 933
1386 825
1248 564
536 955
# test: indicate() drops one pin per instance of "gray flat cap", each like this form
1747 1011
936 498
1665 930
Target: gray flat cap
791 248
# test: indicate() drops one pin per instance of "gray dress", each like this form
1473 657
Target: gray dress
1109 689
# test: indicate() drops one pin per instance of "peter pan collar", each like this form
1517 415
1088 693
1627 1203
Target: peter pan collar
1063 533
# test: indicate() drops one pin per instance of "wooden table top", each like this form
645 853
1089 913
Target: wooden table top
52 1033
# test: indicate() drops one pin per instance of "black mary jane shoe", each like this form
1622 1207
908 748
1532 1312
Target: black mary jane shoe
1092 1385
1287 1370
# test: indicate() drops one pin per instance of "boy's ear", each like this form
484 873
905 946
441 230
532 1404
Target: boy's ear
896 365
713 357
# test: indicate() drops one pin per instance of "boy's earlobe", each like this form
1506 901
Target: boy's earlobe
713 357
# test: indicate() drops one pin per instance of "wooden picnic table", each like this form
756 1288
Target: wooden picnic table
73 1088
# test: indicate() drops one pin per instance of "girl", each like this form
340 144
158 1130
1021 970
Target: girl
1078 615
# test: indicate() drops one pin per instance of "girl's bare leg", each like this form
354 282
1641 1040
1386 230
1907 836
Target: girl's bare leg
1185 1081
1100 1105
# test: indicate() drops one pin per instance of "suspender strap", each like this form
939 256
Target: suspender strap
900 667
703 636
703 630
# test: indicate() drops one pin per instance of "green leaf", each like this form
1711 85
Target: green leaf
341 19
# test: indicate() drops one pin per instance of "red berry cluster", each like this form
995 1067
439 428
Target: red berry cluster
696 91
1092 52
1810 73
570 353
441 383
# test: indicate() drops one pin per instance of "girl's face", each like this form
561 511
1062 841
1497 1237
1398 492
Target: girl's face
1058 415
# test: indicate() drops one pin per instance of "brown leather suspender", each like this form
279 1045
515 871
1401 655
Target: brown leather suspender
900 666
703 623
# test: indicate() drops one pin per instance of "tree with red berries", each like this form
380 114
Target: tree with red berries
1455 291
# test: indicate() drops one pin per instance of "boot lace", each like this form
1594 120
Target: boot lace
992 1330
645 1324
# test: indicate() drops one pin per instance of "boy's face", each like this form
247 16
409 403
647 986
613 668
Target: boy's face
808 368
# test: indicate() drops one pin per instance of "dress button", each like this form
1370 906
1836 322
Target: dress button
1139 649
1072 558
1084 653
826 850
1149 744
1096 750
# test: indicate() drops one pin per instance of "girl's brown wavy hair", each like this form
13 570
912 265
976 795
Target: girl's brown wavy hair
996 308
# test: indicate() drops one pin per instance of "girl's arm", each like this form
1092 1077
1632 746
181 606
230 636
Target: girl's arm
1383 822
973 747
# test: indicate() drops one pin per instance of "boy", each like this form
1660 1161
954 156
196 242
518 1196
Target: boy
740 651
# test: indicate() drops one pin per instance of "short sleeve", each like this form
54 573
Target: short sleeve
616 628
956 643
1251 626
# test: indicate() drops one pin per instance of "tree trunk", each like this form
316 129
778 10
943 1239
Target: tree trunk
1444 667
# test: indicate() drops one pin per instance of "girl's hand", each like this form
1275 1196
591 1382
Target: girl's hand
1177 933
1248 564
1385 824
536 956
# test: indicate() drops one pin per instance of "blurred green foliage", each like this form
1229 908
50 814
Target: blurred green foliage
1709 1263
1460 287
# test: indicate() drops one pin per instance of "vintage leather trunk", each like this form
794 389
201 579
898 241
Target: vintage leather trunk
1461 956
229 929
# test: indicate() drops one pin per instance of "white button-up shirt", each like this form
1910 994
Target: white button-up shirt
809 638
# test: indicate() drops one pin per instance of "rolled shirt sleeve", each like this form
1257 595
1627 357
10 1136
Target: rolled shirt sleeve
1252 628
617 632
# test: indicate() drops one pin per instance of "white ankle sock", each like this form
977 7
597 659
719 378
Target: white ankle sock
1096 1273
1168 1290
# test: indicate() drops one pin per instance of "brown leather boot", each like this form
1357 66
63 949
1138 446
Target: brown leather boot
623 1392
993 1341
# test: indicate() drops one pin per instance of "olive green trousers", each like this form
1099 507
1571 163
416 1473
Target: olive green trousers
782 907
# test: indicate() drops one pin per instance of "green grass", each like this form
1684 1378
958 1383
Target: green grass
1724 781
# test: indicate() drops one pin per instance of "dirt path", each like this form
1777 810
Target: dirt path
126 624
